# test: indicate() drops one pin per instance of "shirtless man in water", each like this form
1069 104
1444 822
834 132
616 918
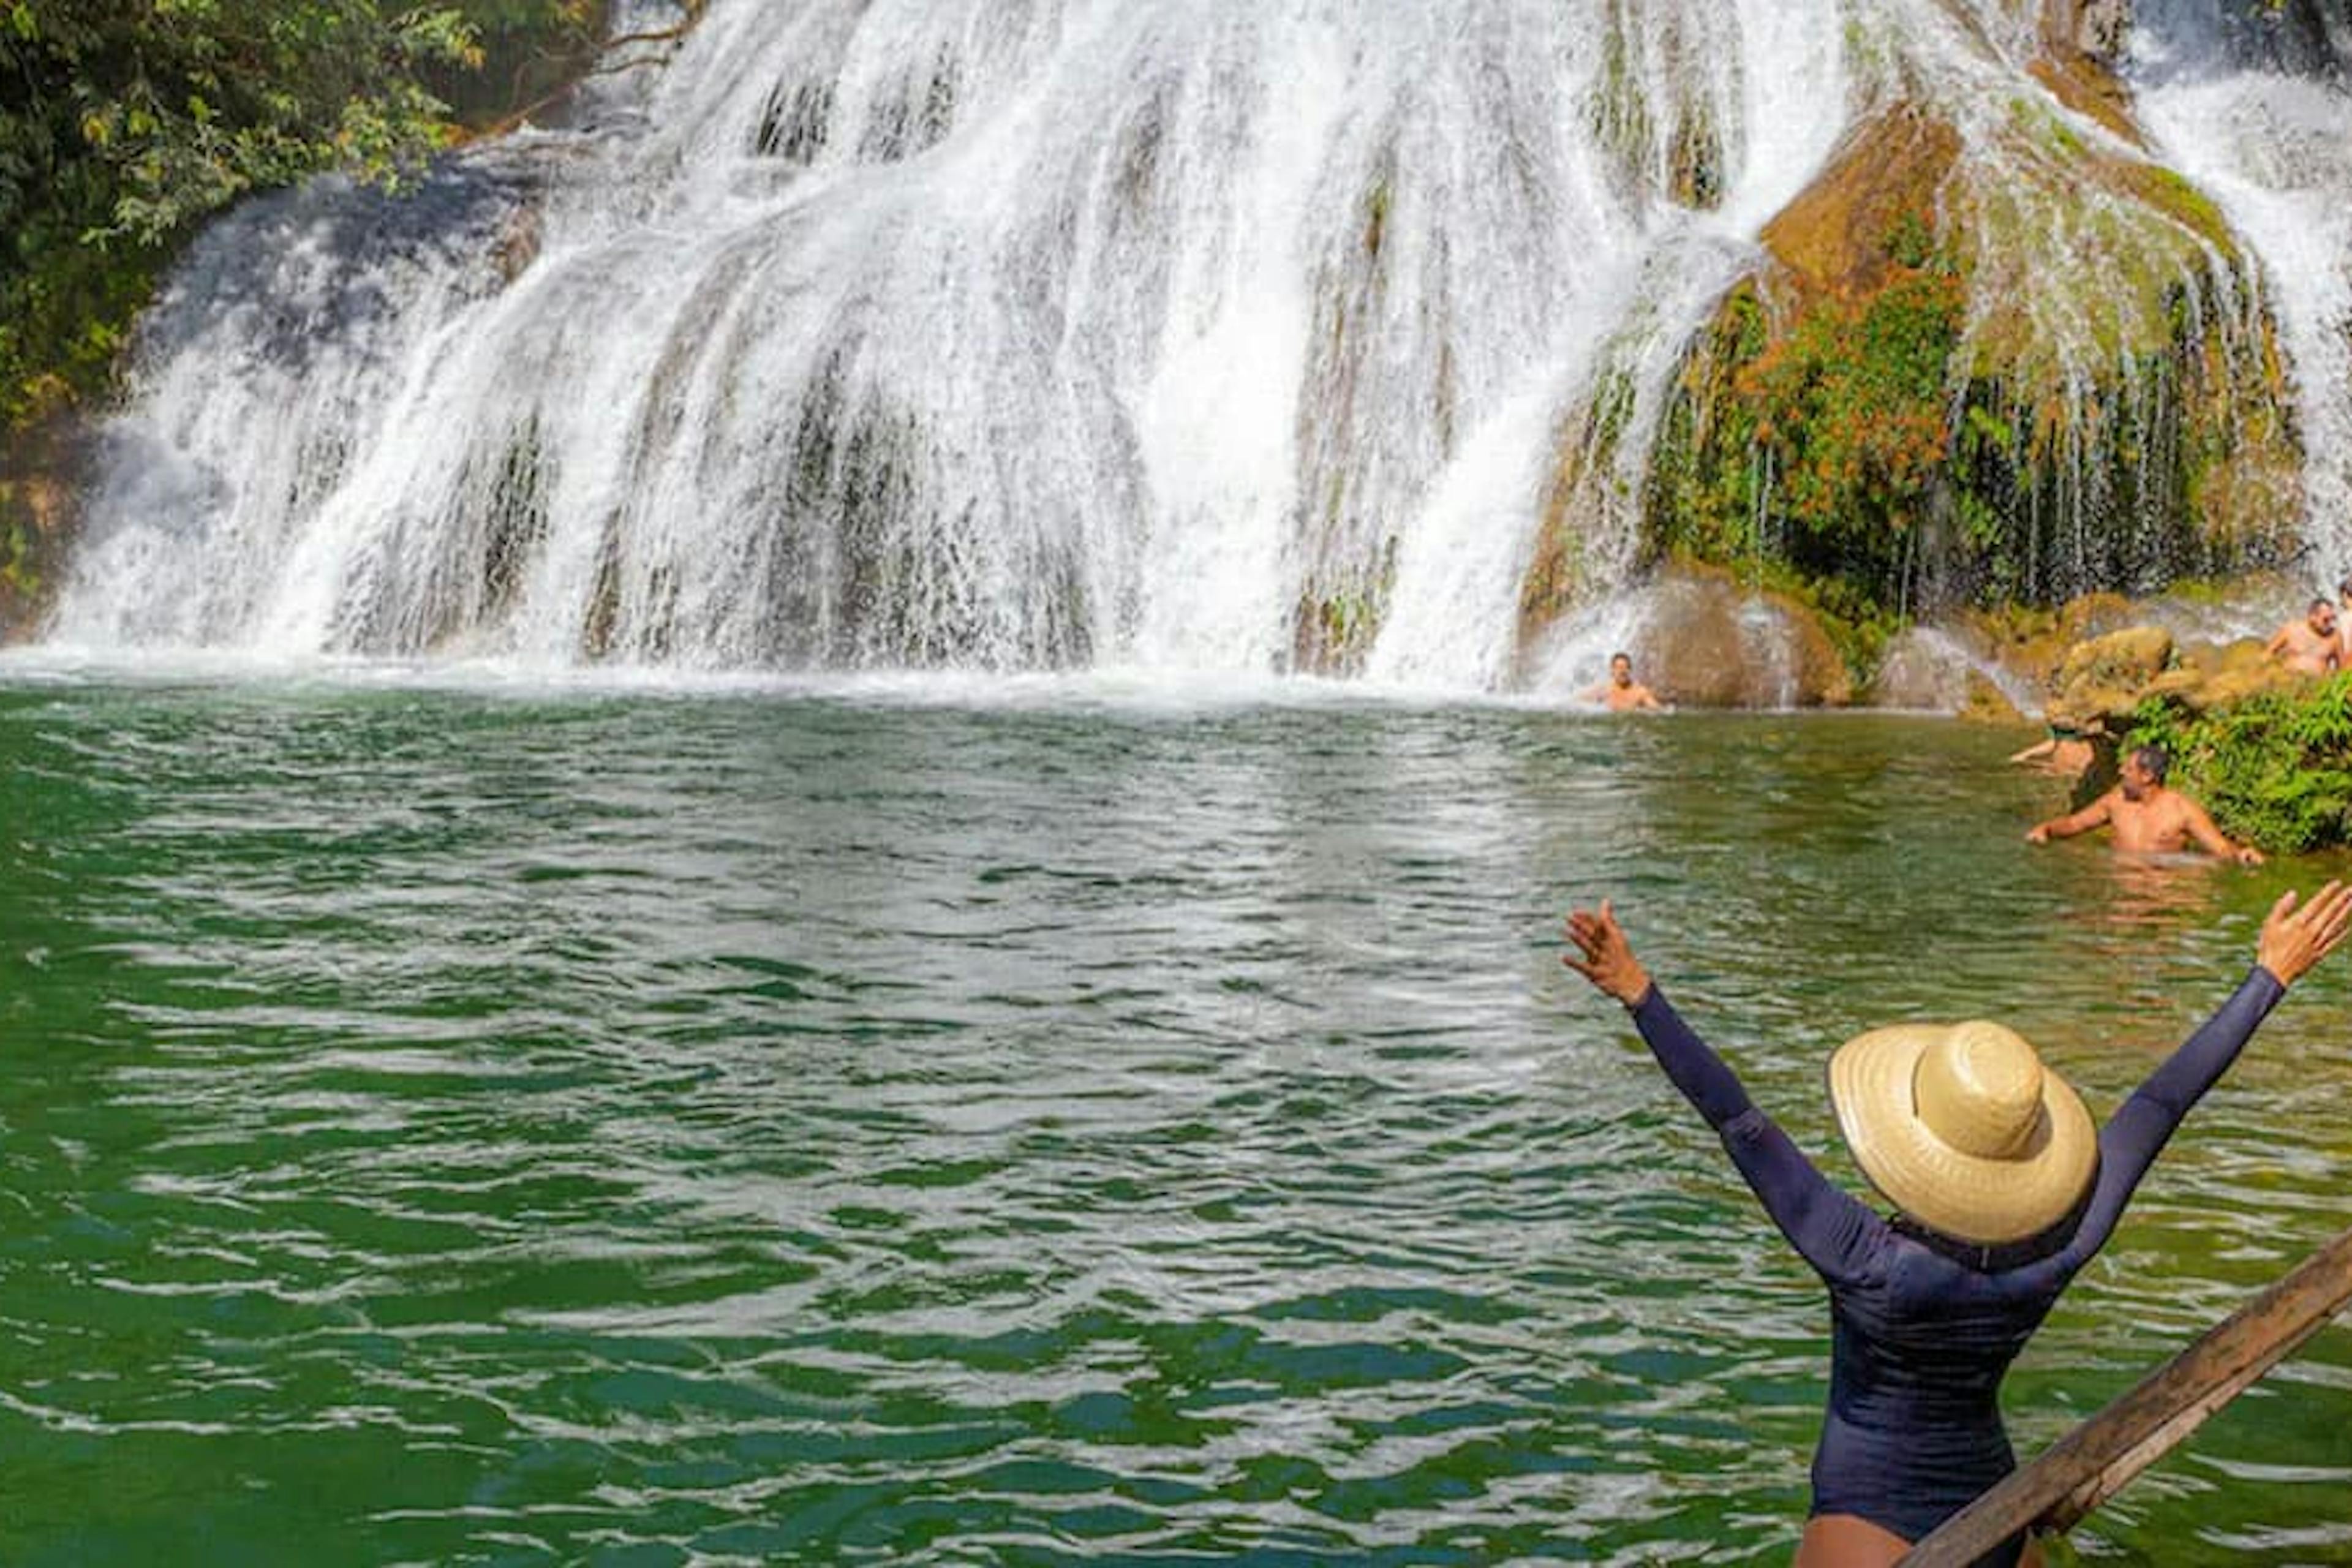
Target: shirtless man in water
2309 646
1620 692
2146 815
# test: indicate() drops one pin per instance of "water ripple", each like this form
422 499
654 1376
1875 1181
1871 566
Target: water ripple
474 1128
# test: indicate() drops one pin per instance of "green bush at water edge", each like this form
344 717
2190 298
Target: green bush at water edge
2276 770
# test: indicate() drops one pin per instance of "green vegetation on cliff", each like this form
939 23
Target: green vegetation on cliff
123 123
1816 444
1908 400
2275 769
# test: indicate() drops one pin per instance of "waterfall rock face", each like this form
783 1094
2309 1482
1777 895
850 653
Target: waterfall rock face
40 486
2300 38
1939 409
1248 335
1994 351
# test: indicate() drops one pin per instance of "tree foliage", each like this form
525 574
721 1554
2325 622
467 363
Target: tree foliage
124 123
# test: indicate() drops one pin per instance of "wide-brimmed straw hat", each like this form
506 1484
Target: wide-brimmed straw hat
1963 1128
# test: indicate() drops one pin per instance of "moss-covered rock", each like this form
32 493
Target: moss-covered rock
2099 682
1590 497
39 485
1986 703
2134 655
1909 396
2104 682
1333 626
1647 110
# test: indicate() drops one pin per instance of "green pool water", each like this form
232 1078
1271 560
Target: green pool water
1035 1123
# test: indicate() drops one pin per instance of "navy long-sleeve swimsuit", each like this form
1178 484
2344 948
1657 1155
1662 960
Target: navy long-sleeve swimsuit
1919 1340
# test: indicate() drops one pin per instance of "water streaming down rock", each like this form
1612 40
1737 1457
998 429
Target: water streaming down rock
2275 151
1003 335
1994 351
1011 337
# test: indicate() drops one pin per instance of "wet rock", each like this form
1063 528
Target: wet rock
2216 675
1921 672
2102 681
2099 682
1940 670
43 470
1712 643
520 241
2134 655
2124 408
1986 703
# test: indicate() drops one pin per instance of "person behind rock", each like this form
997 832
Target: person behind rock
2065 752
2344 623
1620 692
2001 1191
2311 645
2148 816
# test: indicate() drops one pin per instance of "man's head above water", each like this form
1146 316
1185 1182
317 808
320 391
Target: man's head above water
2143 771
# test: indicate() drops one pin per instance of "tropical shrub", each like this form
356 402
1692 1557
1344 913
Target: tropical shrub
2275 769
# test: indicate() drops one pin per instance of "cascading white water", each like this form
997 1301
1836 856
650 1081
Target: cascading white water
1006 335
991 333
2275 151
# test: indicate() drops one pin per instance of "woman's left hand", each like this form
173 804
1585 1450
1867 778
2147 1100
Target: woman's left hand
2294 938
1608 961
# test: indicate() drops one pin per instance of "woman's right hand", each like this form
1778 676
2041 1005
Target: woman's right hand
2294 938
1609 962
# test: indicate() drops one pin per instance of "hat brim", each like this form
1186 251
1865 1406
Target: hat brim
1976 1199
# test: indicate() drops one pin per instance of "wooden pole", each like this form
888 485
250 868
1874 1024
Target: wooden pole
2095 1461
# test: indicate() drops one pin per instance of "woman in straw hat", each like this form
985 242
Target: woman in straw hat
2002 1193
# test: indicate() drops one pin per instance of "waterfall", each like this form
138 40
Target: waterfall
1002 334
2274 151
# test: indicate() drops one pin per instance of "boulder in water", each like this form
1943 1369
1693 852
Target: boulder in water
2103 681
2219 675
2100 680
1933 672
1712 643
